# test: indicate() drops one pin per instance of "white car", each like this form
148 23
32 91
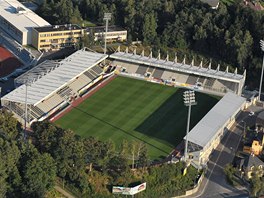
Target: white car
251 113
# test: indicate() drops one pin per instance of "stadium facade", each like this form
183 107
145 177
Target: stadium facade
180 74
51 86
18 21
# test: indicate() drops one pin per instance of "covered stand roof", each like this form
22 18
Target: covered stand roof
175 66
20 16
65 71
215 119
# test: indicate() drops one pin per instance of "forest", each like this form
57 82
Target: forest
32 164
229 35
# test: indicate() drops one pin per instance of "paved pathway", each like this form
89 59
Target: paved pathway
62 191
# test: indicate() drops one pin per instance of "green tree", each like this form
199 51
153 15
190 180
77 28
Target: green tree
9 126
76 17
149 28
38 172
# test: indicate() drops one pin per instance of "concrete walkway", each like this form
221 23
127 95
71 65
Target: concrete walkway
62 191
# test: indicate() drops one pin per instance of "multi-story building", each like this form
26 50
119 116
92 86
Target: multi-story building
114 33
250 166
17 21
56 37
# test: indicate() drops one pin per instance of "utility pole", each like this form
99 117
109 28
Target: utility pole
26 114
189 100
107 17
261 77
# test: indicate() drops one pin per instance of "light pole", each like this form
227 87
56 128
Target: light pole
189 100
107 17
261 77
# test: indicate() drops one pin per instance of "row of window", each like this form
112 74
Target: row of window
58 40
10 27
60 34
112 34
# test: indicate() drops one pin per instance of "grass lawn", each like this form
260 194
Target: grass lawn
137 110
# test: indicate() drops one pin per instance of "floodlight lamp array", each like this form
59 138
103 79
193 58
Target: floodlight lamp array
189 98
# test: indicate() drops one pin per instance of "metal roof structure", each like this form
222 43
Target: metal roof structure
205 130
37 72
18 15
67 69
180 67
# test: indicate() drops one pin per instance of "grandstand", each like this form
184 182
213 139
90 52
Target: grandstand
53 85
207 134
178 74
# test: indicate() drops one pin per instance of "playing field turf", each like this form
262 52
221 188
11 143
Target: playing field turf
137 110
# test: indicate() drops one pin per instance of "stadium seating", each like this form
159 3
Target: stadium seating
97 70
228 85
77 84
142 69
90 75
36 112
150 69
65 92
192 79
130 67
209 82
166 75
201 79
158 73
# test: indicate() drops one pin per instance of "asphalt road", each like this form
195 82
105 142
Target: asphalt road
214 184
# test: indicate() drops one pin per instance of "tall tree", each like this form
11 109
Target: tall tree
149 28
38 172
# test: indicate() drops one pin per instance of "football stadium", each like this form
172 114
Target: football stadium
136 110
132 97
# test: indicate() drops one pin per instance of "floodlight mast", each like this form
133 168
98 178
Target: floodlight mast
107 17
189 100
261 77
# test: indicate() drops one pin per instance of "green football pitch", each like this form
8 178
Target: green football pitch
137 110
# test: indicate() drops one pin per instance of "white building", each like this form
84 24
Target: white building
207 133
114 33
17 21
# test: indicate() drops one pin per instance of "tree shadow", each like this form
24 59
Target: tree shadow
119 129
168 122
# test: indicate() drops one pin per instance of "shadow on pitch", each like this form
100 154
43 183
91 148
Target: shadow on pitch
168 122
122 130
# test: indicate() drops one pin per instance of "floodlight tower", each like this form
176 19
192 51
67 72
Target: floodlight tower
27 82
261 77
189 100
107 17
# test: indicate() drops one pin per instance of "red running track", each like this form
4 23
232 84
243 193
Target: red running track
8 62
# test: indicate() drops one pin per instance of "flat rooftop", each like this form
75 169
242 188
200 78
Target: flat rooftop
102 29
56 28
20 16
